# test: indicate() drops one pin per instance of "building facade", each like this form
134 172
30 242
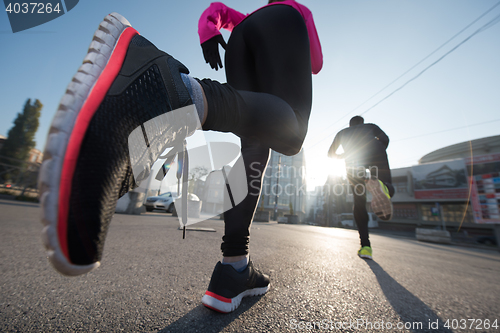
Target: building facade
213 197
284 186
456 186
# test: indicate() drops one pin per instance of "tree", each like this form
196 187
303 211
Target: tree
195 174
21 137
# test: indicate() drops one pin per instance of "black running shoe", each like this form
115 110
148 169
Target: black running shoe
227 287
123 83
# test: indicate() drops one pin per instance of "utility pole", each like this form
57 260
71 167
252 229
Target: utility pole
328 205
277 190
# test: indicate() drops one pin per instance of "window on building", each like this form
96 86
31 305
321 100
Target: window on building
405 211
452 212
215 180
400 184
215 196
482 168
401 187
283 200
457 212
430 212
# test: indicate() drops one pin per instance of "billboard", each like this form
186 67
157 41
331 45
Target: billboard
441 180
485 187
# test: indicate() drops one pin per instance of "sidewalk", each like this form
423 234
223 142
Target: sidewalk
462 238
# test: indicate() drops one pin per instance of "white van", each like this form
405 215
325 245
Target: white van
347 220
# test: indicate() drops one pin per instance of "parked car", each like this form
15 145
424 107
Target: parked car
163 201
347 220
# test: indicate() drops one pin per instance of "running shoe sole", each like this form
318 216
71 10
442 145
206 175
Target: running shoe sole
226 305
228 287
123 83
381 204
365 256
82 98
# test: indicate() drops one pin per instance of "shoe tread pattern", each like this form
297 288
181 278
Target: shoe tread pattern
99 52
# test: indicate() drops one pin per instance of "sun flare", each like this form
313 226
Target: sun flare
335 167
319 170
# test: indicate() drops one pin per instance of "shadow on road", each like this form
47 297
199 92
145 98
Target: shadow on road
409 307
202 319
452 249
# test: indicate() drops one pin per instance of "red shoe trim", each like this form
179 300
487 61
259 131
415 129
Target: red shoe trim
212 308
220 298
90 106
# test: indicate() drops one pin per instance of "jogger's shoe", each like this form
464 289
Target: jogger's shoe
227 287
381 200
124 82
365 252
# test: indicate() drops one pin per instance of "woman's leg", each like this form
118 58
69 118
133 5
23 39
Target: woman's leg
238 219
259 65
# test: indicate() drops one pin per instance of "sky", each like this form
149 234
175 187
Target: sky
367 45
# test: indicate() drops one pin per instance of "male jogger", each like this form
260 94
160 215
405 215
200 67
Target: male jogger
364 148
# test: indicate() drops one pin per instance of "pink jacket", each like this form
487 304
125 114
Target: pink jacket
219 16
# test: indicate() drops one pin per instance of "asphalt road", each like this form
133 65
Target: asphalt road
151 280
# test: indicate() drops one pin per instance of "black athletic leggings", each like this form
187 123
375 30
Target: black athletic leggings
266 102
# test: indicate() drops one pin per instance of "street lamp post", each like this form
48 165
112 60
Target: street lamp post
277 190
